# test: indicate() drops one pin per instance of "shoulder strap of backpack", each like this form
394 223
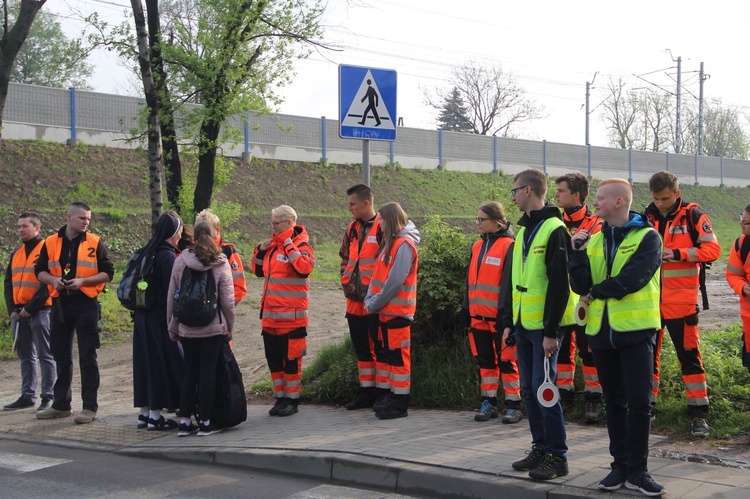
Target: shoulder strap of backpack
693 215
743 246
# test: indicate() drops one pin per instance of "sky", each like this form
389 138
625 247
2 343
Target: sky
551 47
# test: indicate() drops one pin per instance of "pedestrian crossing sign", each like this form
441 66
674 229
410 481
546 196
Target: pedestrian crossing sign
367 103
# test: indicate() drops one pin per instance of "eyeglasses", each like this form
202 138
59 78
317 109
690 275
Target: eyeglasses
276 224
481 219
513 191
743 222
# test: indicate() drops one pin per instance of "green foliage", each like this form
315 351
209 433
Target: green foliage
728 386
115 215
48 57
444 374
332 377
443 260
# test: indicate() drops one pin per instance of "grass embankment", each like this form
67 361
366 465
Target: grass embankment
115 182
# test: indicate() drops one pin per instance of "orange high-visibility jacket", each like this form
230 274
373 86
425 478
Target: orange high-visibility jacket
362 253
582 219
680 278
404 304
25 283
485 277
738 274
86 264
286 289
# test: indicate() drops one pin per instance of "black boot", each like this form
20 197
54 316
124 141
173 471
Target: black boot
365 398
396 408
289 408
382 398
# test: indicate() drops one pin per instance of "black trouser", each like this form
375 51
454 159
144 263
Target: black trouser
625 375
79 314
201 359
363 330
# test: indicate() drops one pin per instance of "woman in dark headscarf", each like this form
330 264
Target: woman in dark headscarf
158 364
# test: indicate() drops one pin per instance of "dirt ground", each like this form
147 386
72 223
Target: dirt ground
327 324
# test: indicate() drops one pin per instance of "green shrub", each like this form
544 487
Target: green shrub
332 377
443 262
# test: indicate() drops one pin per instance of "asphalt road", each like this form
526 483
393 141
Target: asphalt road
33 470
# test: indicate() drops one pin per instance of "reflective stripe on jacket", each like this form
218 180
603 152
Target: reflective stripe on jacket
635 311
363 250
484 279
530 280
738 274
404 304
25 282
86 263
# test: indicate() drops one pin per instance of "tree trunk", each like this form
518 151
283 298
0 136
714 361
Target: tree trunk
11 41
204 185
152 101
171 152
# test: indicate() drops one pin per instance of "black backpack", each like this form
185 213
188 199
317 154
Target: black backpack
197 300
230 408
135 290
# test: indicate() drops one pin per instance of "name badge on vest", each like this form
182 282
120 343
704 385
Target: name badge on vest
281 258
491 260
372 239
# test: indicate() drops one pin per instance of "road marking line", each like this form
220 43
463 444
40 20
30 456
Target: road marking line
25 463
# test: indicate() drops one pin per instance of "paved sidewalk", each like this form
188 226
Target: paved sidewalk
433 453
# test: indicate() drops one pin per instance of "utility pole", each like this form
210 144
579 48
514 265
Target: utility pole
588 88
701 78
677 145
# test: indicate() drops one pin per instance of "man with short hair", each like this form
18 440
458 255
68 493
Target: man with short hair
689 241
571 193
358 251
233 257
616 271
75 266
535 292
29 304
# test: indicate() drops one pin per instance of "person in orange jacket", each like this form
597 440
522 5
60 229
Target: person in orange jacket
570 196
234 258
393 296
286 260
496 361
359 247
738 277
689 240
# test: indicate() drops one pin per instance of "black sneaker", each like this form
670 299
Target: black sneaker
21 403
142 422
613 481
531 461
364 399
205 430
161 424
486 412
186 429
644 484
699 427
593 412
274 411
551 467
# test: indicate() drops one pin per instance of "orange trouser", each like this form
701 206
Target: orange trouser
496 363
574 339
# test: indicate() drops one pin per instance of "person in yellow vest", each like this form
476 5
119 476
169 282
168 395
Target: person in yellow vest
616 271
738 278
570 196
496 361
75 266
535 293
393 296
29 305
358 250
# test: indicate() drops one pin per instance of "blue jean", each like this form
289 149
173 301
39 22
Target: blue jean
33 345
546 423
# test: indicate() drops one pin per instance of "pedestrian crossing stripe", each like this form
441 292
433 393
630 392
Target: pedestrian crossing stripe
361 112
25 463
